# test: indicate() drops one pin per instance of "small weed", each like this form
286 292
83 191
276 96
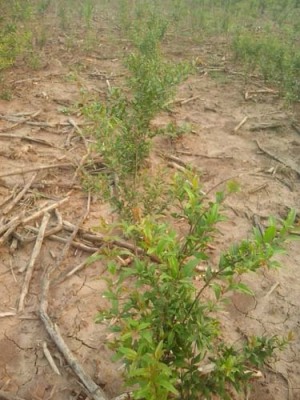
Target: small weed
276 60
12 44
43 6
6 95
87 11
33 60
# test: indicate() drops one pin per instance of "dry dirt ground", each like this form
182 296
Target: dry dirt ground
270 184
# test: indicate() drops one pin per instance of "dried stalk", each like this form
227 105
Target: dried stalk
74 234
20 219
30 267
33 169
49 358
18 197
95 391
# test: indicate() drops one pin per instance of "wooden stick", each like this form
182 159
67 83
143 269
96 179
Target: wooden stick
274 287
44 210
243 121
20 219
7 314
10 196
77 245
76 127
266 125
258 188
124 396
9 228
18 197
30 267
101 239
74 233
50 232
68 273
49 358
189 99
174 165
188 153
16 117
28 139
33 169
95 391
175 159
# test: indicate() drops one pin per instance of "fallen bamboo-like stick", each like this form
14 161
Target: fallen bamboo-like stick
28 139
81 134
266 125
95 391
185 101
44 210
8 233
101 239
73 270
20 219
175 159
77 245
10 196
243 121
7 314
179 167
31 264
74 234
18 197
49 358
33 169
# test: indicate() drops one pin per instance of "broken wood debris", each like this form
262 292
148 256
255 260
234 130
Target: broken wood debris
266 125
52 329
19 196
32 261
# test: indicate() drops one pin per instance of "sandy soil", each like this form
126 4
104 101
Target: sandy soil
268 186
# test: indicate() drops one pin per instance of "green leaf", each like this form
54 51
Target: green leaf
233 186
269 234
159 350
241 288
128 353
112 267
217 290
189 267
167 385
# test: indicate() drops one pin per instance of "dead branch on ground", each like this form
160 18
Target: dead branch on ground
95 391
49 358
33 169
74 234
266 125
28 139
21 220
101 239
19 196
31 264
243 121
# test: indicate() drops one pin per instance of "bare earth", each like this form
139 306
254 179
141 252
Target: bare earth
268 187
